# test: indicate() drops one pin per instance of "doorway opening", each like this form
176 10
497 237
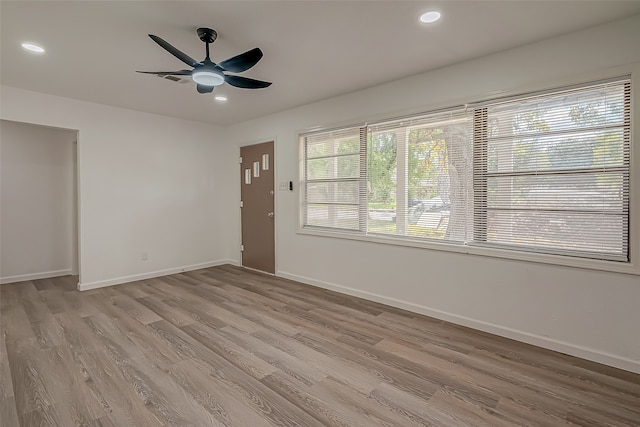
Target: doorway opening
38 202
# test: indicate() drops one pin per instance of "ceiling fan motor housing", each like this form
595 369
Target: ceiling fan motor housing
207 35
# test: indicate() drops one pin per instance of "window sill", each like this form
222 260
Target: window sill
565 261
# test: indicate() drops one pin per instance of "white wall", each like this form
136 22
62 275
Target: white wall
147 183
587 313
36 202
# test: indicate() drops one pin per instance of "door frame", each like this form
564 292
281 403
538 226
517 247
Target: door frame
275 201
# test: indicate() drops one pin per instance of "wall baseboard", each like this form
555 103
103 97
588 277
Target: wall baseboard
150 275
526 337
34 276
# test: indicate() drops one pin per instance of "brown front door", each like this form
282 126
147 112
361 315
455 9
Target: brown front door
257 194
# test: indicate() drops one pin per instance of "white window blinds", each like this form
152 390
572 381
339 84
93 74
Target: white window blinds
419 177
551 172
334 176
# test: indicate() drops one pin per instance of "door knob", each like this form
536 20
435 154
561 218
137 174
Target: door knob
270 214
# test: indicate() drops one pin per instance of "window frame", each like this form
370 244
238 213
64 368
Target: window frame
630 267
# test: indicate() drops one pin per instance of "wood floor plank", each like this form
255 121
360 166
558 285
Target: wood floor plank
67 283
165 311
73 402
410 406
15 324
232 352
360 407
174 288
198 312
264 319
265 294
79 303
44 284
49 333
533 416
135 309
43 416
224 346
301 395
113 339
213 395
29 385
232 319
78 336
9 296
110 420
328 323
465 413
107 380
586 417
6 382
287 316
54 299
61 283
33 304
135 290
8 412
285 362
152 344
356 376
242 294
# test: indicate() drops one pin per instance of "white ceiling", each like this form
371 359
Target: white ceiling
313 49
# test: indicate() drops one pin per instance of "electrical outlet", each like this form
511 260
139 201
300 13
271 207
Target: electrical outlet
145 256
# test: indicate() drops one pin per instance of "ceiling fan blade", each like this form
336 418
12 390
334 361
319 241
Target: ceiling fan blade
246 82
175 52
167 73
242 62
204 89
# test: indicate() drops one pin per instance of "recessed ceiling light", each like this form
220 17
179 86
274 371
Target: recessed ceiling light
221 98
31 47
430 17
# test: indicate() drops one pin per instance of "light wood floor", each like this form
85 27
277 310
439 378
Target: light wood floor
224 346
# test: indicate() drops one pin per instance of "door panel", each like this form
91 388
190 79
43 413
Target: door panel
257 194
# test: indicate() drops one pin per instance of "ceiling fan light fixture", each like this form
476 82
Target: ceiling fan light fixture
32 47
430 17
208 77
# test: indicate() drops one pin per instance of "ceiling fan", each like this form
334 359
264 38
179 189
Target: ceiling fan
207 74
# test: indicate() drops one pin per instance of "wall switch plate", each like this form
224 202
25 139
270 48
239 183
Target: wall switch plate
145 256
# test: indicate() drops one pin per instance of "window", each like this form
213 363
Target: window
334 180
419 177
545 172
552 172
